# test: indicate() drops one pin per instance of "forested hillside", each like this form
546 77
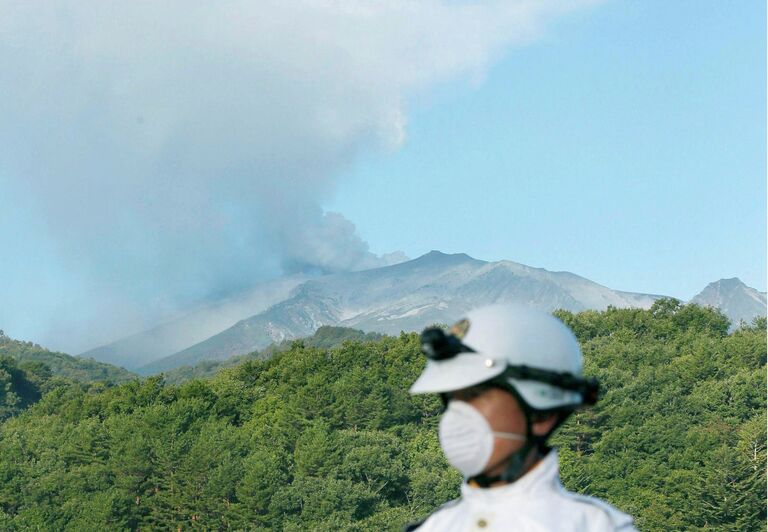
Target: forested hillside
62 365
20 387
325 337
319 439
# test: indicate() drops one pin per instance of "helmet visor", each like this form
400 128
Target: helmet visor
461 371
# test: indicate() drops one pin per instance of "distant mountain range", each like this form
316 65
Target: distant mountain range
434 288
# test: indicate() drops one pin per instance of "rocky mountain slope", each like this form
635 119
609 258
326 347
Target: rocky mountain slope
193 327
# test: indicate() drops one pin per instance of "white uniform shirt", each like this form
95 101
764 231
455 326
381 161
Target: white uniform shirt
535 502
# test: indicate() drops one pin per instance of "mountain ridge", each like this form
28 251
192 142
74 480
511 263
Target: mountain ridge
436 287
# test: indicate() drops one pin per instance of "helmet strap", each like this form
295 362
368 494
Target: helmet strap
514 470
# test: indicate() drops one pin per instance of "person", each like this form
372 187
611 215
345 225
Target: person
509 376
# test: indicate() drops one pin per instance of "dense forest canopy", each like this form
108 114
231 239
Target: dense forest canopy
329 439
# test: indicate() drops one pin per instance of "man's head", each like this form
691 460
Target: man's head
509 375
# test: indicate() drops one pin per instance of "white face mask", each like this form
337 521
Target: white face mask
467 438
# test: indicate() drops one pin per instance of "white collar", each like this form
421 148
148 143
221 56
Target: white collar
545 476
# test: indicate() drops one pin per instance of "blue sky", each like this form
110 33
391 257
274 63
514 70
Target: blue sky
157 156
627 145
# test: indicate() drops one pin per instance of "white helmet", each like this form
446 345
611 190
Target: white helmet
530 350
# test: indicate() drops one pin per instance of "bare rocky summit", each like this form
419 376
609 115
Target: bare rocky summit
736 300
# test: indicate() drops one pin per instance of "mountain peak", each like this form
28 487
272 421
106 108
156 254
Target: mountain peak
437 259
722 288
734 298
733 282
438 256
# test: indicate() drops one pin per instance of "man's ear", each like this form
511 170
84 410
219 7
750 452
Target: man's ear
542 426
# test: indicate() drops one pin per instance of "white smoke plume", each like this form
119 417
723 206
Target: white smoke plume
154 154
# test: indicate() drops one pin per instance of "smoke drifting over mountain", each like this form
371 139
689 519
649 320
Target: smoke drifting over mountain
154 154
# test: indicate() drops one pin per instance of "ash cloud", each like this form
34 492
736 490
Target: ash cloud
156 154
